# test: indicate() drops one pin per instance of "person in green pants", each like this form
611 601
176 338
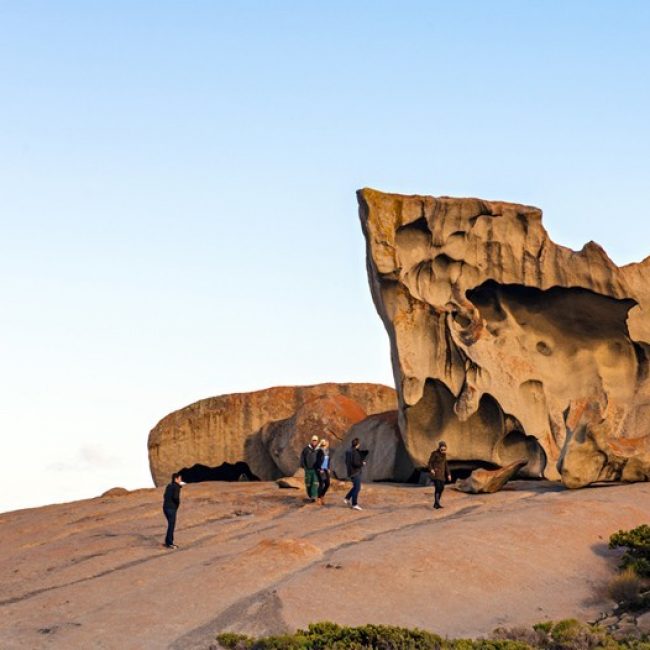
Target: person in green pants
308 463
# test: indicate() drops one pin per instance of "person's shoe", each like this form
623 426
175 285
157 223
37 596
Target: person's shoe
347 502
437 506
319 501
357 508
172 546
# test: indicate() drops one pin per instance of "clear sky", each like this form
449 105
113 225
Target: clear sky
177 208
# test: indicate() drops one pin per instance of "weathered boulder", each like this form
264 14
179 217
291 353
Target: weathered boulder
115 492
326 417
643 623
505 344
387 458
227 429
488 481
291 482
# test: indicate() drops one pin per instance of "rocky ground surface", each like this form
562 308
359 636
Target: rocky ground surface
258 559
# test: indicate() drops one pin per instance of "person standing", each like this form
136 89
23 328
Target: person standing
354 463
171 503
439 470
323 469
308 459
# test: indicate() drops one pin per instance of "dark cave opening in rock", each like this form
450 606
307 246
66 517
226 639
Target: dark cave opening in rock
518 446
463 468
198 473
579 312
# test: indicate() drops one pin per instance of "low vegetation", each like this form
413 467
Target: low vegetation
563 635
630 589
625 589
636 543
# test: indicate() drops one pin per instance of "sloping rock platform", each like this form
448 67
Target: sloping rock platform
257 559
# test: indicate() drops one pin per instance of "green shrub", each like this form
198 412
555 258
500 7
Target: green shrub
637 545
234 641
564 635
330 636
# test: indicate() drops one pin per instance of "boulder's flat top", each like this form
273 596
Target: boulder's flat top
257 559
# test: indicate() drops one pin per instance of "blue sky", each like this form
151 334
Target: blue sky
177 191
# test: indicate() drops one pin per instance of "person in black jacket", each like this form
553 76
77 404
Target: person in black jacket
439 470
171 503
354 463
308 460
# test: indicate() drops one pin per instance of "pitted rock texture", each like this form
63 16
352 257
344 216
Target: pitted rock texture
234 428
284 440
387 458
505 344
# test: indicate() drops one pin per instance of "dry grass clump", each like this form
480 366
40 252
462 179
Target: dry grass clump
625 588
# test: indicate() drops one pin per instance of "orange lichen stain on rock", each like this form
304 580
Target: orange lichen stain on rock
350 409
629 446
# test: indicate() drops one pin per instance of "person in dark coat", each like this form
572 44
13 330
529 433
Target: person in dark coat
308 459
171 503
439 470
354 463
323 470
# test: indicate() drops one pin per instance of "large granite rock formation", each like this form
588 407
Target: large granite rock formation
263 428
505 344
387 458
284 440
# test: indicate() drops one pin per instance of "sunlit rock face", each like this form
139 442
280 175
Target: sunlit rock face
265 429
506 345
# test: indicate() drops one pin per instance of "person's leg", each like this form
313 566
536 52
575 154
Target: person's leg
439 487
170 514
313 485
322 475
326 484
356 488
348 496
310 481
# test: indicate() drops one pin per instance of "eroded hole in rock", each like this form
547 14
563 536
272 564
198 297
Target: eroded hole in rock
198 473
515 446
488 438
642 351
419 225
579 313
461 319
573 348
463 468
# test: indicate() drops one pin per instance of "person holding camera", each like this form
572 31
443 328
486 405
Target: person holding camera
354 462
171 503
